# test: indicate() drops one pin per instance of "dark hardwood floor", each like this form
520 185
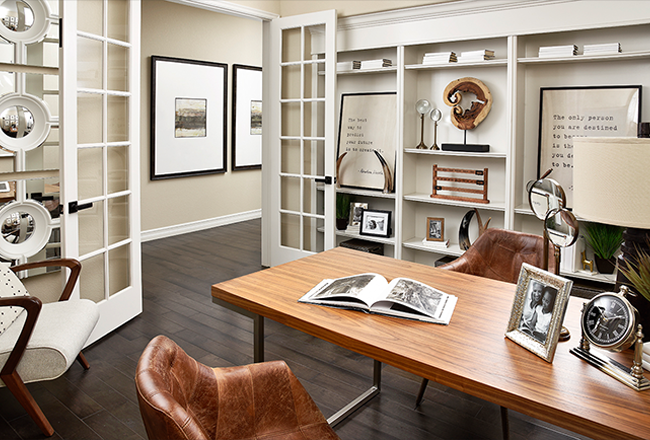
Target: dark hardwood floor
177 274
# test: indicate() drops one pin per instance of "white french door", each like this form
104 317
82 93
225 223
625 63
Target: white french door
100 101
299 136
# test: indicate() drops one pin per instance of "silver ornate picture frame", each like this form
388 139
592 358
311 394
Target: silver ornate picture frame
538 311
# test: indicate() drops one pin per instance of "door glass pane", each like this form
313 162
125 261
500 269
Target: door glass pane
314 119
314 41
118 58
118 166
119 274
118 219
290 230
313 201
291 45
91 228
118 117
89 63
118 19
313 236
290 193
314 154
89 118
90 172
90 14
290 119
291 82
91 280
290 156
314 83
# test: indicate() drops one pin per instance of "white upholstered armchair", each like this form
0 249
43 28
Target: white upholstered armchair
40 341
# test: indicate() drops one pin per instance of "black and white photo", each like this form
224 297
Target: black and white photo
375 223
435 229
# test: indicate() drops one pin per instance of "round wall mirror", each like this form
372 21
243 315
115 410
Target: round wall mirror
22 115
545 195
25 228
16 121
561 227
24 21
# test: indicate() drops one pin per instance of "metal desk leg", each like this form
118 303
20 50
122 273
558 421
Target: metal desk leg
258 338
361 400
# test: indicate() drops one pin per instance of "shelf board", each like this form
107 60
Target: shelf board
416 243
365 193
524 209
365 71
345 233
586 59
425 198
455 153
485 63
591 276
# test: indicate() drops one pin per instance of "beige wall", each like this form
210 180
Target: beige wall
170 29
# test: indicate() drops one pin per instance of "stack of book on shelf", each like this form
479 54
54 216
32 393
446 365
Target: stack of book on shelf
436 244
476 55
646 356
439 58
376 64
602 49
348 65
558 51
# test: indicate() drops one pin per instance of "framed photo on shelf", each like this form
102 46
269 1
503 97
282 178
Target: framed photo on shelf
246 148
375 223
188 117
538 311
367 130
568 112
435 229
356 209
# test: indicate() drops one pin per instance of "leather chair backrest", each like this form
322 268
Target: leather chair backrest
499 253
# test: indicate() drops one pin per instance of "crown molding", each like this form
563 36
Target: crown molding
224 7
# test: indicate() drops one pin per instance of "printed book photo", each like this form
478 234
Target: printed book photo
372 293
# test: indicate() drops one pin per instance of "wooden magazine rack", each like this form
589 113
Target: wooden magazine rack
479 180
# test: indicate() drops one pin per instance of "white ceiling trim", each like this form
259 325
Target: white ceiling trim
224 7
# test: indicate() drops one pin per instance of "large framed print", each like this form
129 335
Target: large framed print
367 126
568 112
188 117
538 311
246 151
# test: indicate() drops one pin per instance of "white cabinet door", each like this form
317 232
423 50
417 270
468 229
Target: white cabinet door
299 136
100 102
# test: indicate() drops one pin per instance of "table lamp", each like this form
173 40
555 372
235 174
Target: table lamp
611 185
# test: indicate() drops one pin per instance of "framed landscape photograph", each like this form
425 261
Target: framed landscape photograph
246 148
188 117
375 223
593 111
435 229
538 311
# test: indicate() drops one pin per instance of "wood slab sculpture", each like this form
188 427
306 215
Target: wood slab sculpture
468 119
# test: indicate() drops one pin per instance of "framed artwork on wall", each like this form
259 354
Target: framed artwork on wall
246 150
188 117
593 111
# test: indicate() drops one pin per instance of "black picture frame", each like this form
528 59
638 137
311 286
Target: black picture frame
566 112
375 223
176 85
246 133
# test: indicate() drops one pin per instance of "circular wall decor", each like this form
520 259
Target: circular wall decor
24 21
25 229
25 122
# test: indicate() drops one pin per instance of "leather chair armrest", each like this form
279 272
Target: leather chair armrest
70 263
32 306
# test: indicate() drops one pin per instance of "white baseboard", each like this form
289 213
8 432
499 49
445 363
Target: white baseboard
170 231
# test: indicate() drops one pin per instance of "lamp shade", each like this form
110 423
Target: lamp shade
611 181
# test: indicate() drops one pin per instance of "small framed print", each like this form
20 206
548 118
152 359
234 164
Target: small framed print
435 229
538 311
375 223
356 209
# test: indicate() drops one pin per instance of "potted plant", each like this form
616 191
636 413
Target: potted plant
604 240
638 273
342 210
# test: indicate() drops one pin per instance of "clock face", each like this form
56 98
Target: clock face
608 321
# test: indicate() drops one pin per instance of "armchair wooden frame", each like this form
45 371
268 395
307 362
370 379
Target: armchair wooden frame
32 306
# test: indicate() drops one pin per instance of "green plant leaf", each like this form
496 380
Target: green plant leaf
604 239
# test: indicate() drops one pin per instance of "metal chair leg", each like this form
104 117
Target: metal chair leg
423 388
505 423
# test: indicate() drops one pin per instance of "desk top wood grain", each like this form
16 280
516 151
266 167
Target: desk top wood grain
471 354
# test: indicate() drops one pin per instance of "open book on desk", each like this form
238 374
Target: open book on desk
372 293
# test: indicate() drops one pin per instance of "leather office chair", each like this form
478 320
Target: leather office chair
497 254
181 398
42 341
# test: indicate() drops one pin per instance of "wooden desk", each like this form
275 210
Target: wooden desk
471 354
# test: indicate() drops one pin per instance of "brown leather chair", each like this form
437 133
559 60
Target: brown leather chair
498 254
181 398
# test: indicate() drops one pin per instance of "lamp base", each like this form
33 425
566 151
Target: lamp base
634 239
